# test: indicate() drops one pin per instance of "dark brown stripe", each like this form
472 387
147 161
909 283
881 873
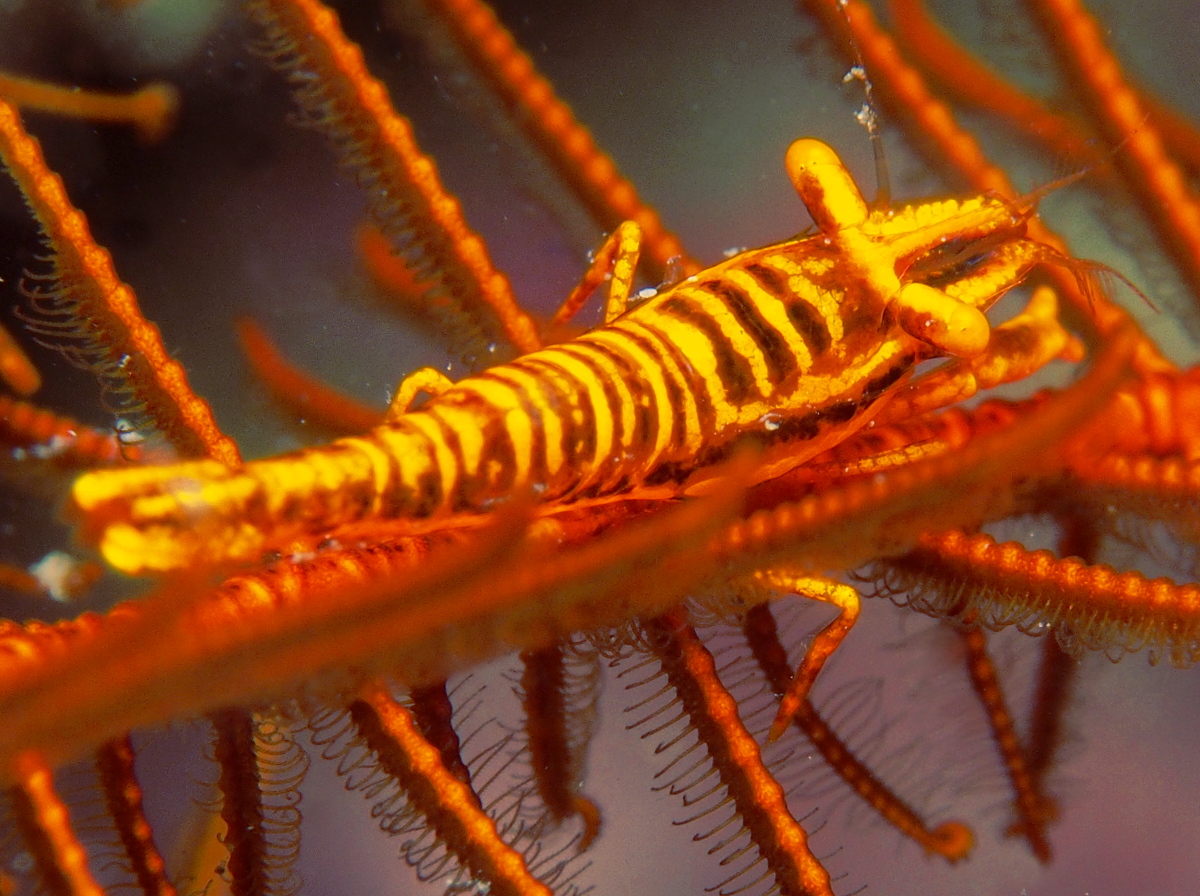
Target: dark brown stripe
390 502
733 370
496 456
771 279
839 411
357 497
776 353
427 497
693 383
798 429
554 398
539 472
671 471
673 381
394 501
459 499
854 308
807 320
805 427
578 439
428 493
810 325
880 384
645 420
612 397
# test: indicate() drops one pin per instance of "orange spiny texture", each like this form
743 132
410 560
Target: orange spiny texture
391 370
105 310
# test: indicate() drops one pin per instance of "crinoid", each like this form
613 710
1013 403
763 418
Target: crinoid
239 213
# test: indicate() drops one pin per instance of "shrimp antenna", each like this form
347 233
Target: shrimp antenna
1090 275
868 117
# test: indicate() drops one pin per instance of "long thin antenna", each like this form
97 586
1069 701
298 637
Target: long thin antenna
868 117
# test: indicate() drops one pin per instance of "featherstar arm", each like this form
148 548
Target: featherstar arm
105 310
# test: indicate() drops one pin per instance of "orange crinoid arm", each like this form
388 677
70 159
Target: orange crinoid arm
406 196
128 348
1169 202
551 125
151 109
15 367
1092 607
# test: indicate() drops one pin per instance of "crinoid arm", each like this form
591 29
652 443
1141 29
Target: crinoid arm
151 109
93 306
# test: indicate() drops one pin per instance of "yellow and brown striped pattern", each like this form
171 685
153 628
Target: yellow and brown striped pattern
788 349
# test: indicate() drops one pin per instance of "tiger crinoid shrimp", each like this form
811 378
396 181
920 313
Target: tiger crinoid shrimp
699 106
785 351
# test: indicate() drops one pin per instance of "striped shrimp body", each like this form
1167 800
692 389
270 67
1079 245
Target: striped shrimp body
788 348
